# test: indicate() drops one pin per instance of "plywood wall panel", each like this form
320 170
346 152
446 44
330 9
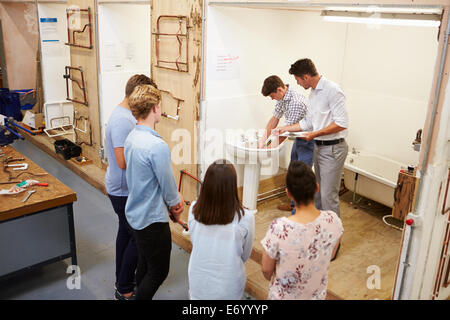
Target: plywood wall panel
182 85
20 37
87 60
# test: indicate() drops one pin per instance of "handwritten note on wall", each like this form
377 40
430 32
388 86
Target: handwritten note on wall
226 66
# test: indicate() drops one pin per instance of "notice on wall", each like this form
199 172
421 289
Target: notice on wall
112 58
49 30
52 44
130 51
226 66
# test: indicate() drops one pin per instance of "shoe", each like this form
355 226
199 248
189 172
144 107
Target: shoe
285 206
119 296
337 251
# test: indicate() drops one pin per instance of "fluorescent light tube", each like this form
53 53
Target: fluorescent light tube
392 22
385 9
422 20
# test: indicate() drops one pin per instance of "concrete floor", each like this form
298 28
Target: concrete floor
95 230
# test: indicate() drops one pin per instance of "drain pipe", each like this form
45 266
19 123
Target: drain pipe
408 258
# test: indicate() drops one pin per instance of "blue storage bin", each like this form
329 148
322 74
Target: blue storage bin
27 98
10 104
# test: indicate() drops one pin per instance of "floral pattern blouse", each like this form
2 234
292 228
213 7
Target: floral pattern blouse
302 253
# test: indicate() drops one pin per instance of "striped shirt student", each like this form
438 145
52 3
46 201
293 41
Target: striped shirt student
293 106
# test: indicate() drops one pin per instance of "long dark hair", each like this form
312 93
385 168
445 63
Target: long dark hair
218 201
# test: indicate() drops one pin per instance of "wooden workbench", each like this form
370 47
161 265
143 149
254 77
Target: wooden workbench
39 231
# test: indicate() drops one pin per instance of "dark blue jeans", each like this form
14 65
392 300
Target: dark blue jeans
126 250
302 150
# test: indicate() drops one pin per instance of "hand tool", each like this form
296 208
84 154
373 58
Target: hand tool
28 195
9 182
18 166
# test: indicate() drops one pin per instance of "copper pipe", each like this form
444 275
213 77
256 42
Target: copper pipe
164 114
190 175
444 251
73 43
180 45
67 76
444 211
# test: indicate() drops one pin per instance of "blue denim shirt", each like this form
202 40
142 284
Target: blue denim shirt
151 184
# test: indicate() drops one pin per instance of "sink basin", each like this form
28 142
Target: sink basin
244 150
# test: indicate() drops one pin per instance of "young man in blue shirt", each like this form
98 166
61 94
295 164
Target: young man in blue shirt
152 192
120 124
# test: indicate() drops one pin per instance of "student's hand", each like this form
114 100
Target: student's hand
261 144
278 131
178 209
175 212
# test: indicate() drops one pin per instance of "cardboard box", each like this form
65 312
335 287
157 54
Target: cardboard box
34 120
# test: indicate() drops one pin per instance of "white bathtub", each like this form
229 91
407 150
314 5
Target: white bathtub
377 176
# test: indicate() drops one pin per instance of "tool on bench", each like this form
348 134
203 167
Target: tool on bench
11 159
26 172
18 166
28 195
28 183
9 182
8 131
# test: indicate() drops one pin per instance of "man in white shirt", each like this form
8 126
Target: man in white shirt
326 122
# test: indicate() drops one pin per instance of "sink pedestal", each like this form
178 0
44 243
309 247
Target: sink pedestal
243 150
251 185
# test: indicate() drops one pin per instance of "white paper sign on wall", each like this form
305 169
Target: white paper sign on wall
226 66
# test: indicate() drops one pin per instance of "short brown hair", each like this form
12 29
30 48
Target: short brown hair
136 80
301 182
218 201
302 67
143 99
271 84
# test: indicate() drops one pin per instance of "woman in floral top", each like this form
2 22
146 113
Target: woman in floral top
298 250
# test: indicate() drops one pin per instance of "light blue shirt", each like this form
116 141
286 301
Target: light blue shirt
151 184
120 124
216 265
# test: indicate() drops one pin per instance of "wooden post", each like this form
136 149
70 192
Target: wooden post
405 195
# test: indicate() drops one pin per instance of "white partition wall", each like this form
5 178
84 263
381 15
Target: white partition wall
124 50
385 71
55 54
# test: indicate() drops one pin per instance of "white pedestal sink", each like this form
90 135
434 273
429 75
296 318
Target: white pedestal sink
244 150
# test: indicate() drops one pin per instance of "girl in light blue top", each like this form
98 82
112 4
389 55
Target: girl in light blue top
222 233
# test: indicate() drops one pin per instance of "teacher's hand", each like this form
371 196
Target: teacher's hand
308 136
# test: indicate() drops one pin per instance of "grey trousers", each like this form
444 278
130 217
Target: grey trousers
328 166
